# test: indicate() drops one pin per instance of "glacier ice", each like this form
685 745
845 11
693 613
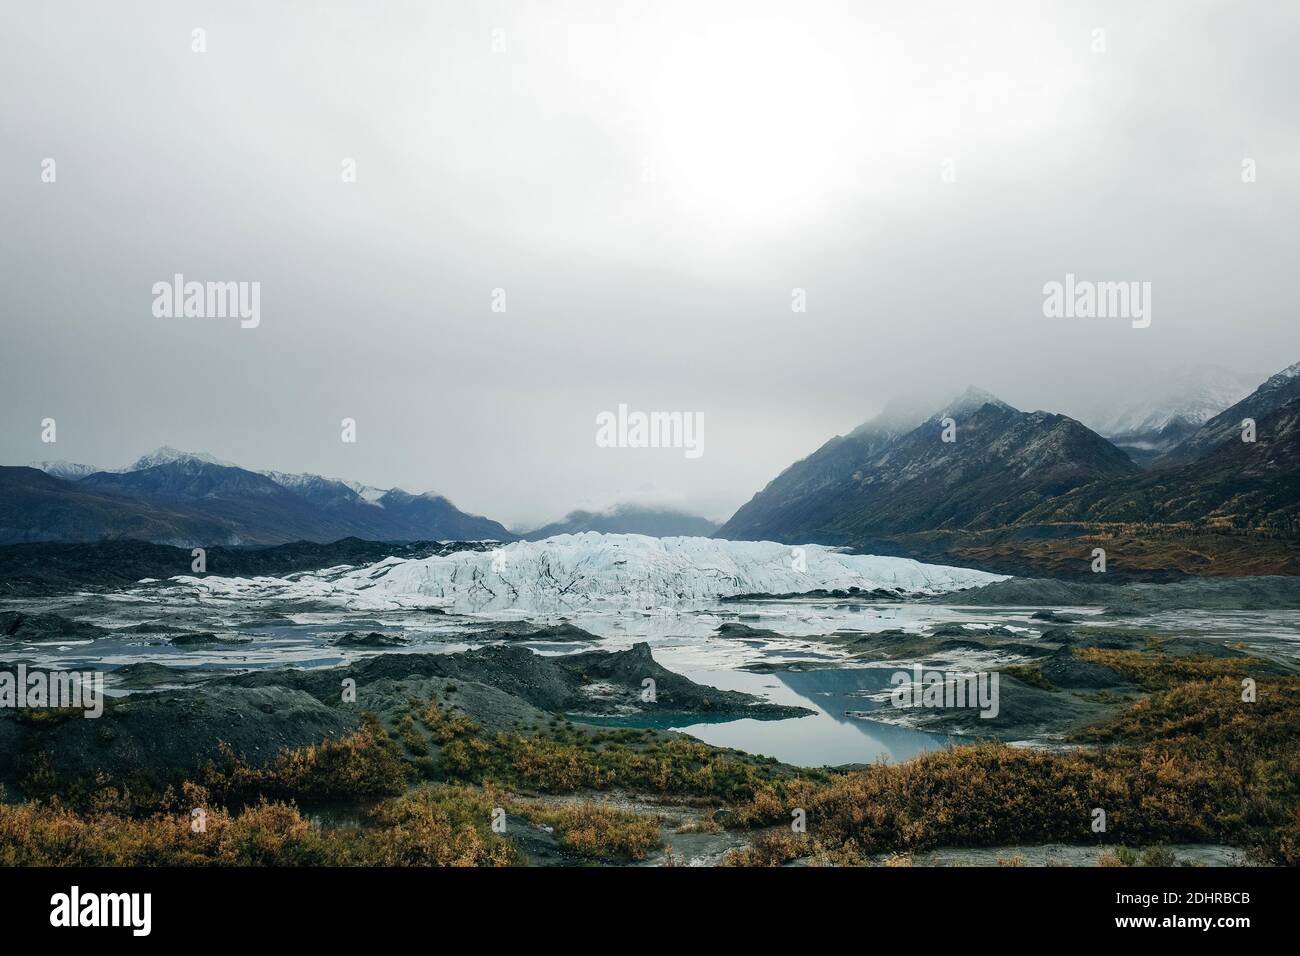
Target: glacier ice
594 571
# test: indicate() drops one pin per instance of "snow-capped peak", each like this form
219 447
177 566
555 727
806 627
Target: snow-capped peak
1192 396
1284 376
304 482
368 493
166 455
70 470
974 398
294 482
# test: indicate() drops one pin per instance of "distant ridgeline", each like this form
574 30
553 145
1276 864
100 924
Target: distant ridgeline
185 499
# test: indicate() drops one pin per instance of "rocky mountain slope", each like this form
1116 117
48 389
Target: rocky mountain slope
1274 393
880 482
35 506
1250 487
1036 492
184 499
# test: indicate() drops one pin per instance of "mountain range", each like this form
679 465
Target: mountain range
879 481
190 499
180 498
1153 425
1037 491
1175 490
1272 395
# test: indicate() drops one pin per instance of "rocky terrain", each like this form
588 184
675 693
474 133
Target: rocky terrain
876 484
160 735
370 749
381 750
56 568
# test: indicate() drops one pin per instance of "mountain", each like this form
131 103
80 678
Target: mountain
166 455
429 516
799 495
1250 487
1193 395
1276 392
885 481
65 469
253 507
327 490
1233 511
181 498
390 514
35 506
628 519
1151 427
1145 446
1037 493
323 492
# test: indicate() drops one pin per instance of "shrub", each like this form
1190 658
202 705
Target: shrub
597 831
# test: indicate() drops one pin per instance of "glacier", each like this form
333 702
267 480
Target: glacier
596 571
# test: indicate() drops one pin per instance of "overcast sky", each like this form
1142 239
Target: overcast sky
648 182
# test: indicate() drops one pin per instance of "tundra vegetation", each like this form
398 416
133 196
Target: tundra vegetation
1190 761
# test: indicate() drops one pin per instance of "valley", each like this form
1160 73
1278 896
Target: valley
234 690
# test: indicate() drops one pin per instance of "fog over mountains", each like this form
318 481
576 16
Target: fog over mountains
1155 424
1019 489
649 234
879 481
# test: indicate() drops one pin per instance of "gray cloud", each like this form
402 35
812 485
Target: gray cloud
648 182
